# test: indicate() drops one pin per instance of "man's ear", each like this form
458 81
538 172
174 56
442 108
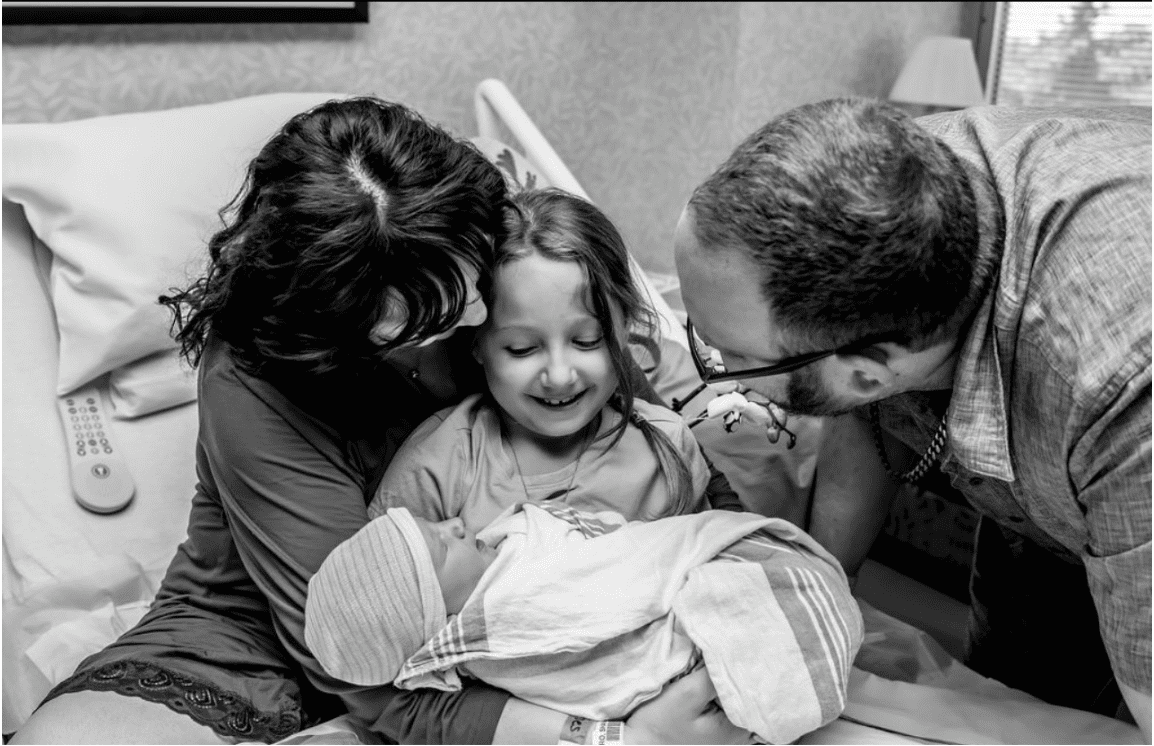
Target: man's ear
870 373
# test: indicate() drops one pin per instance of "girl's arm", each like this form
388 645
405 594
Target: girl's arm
431 458
719 492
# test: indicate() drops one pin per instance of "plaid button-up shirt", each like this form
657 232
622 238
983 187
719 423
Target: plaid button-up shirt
1049 417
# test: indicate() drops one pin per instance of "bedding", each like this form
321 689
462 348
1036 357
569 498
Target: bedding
125 204
72 579
102 215
587 619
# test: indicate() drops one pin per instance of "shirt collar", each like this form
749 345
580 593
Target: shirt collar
977 422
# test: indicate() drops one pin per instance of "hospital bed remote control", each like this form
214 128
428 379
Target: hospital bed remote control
100 479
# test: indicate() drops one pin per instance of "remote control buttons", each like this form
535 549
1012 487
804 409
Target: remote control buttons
102 487
101 482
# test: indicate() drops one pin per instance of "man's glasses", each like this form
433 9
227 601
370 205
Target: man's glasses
712 368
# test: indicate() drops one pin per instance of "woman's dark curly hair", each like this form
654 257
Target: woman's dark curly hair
349 199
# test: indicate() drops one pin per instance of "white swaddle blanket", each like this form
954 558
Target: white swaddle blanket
590 615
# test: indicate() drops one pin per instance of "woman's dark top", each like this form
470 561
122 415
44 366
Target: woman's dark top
285 474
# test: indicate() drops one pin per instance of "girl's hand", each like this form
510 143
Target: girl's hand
686 711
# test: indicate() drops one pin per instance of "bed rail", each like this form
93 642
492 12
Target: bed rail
496 105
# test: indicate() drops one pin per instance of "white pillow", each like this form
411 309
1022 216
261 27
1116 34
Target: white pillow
126 204
159 381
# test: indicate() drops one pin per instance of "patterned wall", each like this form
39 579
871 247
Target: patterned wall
642 100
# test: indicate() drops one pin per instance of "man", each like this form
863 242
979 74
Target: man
970 290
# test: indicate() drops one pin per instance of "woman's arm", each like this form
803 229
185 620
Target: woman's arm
522 722
684 712
291 492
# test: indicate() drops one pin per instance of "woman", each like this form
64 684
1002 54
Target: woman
323 331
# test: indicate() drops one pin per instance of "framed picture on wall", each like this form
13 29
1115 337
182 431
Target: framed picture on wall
56 13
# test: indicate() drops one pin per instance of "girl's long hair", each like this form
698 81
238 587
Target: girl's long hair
560 226
349 199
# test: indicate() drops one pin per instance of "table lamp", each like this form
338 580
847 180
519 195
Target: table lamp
942 73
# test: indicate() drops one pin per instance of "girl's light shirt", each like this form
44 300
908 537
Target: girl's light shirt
456 464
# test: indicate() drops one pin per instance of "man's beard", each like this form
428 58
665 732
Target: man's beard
808 394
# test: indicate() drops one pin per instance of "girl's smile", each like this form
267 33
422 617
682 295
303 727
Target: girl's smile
545 356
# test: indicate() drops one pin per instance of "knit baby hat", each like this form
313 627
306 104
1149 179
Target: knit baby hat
374 602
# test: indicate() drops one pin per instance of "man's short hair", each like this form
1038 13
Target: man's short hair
862 224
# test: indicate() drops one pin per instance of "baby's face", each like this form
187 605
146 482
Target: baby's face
459 559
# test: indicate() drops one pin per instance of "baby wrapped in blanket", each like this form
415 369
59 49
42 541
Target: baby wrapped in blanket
591 615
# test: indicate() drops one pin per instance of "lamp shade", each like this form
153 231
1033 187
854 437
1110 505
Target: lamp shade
942 71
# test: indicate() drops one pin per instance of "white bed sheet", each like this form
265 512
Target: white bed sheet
71 578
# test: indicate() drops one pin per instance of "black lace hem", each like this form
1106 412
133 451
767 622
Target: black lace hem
229 715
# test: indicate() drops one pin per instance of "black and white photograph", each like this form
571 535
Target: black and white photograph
576 372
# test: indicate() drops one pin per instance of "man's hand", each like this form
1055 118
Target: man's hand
686 711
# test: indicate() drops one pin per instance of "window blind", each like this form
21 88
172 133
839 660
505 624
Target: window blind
1073 54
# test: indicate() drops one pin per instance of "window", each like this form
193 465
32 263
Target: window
1071 54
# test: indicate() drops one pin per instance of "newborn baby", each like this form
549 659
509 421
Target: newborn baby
591 615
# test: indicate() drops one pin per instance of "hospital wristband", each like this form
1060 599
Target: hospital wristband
575 730
606 732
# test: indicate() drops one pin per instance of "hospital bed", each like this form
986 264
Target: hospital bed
102 215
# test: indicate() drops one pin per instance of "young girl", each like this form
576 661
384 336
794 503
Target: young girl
559 422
